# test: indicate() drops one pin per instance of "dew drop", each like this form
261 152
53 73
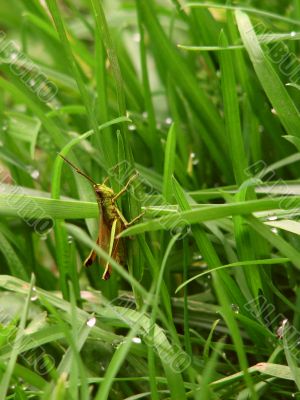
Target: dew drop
35 174
293 34
34 295
272 218
102 367
280 329
195 160
131 127
91 322
273 111
274 230
168 120
235 308
70 239
136 340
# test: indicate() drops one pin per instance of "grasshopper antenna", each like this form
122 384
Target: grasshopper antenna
77 169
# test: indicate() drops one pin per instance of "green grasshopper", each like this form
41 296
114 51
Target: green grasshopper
111 222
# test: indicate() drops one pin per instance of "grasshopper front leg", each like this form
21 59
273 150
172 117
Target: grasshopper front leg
125 188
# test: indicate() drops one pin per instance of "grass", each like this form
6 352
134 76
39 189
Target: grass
202 99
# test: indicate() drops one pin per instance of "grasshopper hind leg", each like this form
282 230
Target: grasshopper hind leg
91 258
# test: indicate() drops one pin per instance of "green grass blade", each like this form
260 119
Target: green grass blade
270 81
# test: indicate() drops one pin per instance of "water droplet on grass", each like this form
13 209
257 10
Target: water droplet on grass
136 340
235 308
35 174
34 295
91 322
131 127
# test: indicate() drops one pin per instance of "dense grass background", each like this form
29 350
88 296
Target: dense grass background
203 101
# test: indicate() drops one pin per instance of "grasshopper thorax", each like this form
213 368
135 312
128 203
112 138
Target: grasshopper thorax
104 191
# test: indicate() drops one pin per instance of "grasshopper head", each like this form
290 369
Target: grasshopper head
104 191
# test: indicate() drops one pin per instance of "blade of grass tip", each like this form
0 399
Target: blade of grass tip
4 384
212 213
270 81
59 24
235 264
224 286
101 109
169 164
182 139
232 115
15 265
151 117
256 98
176 66
209 340
101 25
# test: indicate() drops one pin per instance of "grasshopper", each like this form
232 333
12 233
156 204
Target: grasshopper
111 221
